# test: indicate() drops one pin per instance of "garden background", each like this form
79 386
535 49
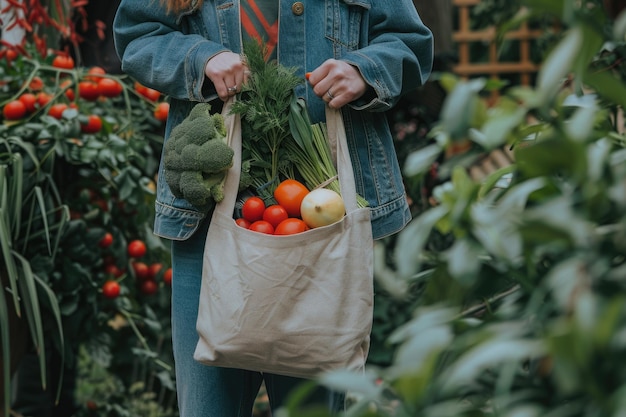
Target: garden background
503 297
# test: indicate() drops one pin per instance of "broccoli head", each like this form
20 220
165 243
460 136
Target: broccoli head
197 157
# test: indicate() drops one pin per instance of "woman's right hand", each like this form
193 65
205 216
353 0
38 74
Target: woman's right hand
227 71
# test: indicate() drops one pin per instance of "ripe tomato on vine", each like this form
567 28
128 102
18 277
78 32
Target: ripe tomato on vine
93 125
14 110
63 61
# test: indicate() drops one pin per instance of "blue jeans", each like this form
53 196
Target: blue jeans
205 391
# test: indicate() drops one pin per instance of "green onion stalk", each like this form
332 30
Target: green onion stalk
310 151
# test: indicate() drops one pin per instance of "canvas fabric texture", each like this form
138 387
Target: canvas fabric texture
296 305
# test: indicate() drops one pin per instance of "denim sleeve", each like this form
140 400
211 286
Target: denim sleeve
398 56
155 51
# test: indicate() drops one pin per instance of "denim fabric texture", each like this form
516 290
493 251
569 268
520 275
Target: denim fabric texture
385 39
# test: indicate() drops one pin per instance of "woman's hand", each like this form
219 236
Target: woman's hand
337 83
227 71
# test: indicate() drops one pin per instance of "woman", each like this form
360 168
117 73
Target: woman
362 56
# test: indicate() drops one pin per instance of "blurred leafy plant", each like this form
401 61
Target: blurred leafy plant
524 313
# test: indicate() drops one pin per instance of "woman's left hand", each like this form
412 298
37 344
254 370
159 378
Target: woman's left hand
337 83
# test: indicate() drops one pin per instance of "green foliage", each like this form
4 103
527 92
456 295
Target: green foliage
61 190
523 312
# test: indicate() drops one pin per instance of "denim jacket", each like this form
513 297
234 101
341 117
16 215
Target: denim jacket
385 39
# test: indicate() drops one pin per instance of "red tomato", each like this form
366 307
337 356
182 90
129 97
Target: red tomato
243 223
111 289
154 270
262 226
94 73
106 241
36 84
140 88
30 101
151 94
88 90
63 61
56 110
149 287
69 92
253 208
14 110
113 270
289 194
43 99
141 269
167 276
136 249
275 214
109 87
11 54
290 226
161 111
93 125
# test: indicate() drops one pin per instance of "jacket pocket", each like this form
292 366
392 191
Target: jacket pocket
345 20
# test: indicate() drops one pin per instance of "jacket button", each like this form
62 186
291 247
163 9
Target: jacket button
297 8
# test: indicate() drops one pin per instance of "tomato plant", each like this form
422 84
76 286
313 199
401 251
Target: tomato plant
36 84
290 226
30 101
137 249
141 270
14 110
111 289
253 208
167 276
149 287
151 94
262 226
93 125
43 99
275 214
106 241
161 111
57 109
154 269
88 90
63 61
289 194
95 73
108 87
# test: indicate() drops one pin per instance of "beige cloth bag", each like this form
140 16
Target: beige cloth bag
295 305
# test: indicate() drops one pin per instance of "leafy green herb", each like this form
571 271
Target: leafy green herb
264 105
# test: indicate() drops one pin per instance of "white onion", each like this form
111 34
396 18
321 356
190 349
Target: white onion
322 207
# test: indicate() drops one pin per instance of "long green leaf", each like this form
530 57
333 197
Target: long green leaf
56 313
15 193
10 267
33 312
44 217
6 352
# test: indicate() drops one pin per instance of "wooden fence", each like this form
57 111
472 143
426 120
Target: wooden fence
489 64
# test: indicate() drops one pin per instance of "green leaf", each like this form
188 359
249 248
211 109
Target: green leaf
458 109
30 300
558 64
491 355
413 238
420 161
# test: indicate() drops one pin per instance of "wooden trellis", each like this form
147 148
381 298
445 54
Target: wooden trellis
464 38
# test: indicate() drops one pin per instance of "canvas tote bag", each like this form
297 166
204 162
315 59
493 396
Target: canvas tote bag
295 305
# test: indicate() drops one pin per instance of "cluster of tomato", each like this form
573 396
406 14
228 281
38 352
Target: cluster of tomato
283 218
95 85
145 275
